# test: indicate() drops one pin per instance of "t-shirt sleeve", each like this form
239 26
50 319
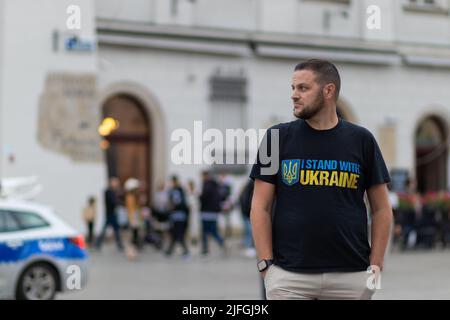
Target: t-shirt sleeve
262 161
376 170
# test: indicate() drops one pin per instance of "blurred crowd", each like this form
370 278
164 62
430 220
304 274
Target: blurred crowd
420 220
188 216
177 216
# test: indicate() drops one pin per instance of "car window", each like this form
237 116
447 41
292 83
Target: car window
29 220
7 222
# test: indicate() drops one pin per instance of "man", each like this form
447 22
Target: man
179 217
111 218
210 200
245 201
316 246
226 202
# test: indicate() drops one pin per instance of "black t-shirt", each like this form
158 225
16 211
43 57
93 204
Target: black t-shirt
178 199
320 219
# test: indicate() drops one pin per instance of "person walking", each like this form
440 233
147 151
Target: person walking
89 217
210 207
226 203
134 214
194 215
178 217
161 212
111 218
245 201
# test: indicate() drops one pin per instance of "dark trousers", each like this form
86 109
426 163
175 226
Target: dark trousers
209 227
110 221
444 233
406 230
177 235
135 239
90 235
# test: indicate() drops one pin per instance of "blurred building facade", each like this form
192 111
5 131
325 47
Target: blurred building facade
159 65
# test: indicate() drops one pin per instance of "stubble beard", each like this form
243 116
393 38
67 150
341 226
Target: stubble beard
310 111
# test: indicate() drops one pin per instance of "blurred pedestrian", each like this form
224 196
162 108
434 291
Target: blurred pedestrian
210 207
194 215
226 203
111 218
121 212
134 213
409 216
427 224
178 217
89 217
245 201
160 212
444 221
394 201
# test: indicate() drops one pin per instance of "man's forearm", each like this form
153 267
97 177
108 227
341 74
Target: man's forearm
380 235
262 233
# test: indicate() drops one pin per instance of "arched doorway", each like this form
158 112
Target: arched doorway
431 155
127 146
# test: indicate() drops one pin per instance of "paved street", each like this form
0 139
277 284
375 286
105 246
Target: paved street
416 275
410 275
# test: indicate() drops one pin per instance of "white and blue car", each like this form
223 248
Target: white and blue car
40 254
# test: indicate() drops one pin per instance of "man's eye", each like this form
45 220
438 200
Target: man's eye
303 88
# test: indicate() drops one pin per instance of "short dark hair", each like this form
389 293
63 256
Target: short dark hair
91 200
205 173
325 72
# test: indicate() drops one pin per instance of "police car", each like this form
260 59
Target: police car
40 254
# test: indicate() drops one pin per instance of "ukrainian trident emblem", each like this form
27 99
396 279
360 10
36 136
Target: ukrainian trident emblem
290 171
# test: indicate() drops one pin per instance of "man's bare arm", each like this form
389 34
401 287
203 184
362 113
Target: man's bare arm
261 218
381 222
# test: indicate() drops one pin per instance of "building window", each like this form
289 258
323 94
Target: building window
228 98
174 6
423 2
335 1
228 89
427 6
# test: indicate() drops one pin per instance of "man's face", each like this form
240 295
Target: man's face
307 94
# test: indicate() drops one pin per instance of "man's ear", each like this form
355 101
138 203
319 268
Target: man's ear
329 91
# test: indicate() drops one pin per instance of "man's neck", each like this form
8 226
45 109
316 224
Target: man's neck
323 121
